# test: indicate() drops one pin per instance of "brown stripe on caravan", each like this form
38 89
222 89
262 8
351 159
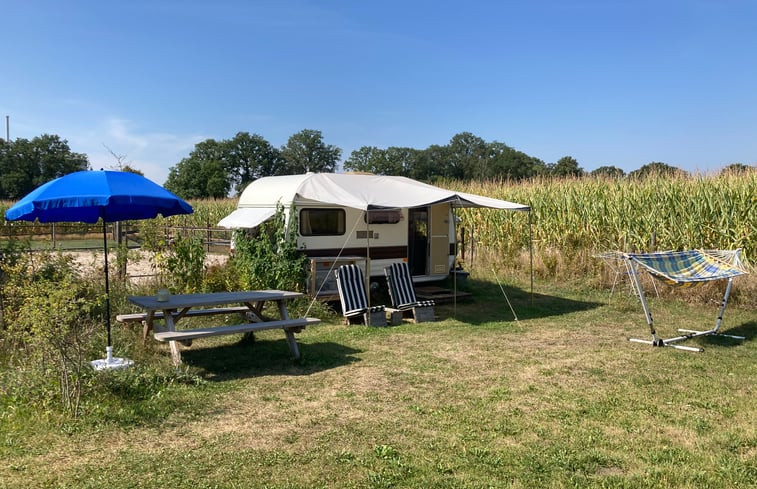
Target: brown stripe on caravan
376 253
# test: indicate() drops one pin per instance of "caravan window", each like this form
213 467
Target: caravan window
383 216
322 222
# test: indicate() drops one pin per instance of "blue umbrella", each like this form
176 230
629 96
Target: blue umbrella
89 196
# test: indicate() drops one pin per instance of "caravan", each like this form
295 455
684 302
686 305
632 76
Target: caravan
370 219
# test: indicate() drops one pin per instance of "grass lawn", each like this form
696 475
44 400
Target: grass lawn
559 398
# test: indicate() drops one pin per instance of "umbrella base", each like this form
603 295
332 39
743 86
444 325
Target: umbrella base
110 362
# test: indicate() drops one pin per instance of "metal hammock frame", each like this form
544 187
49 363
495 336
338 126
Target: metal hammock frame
685 268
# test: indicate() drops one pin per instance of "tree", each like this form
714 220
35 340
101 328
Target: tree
567 166
120 165
198 179
55 158
17 170
25 165
130 169
369 159
737 169
248 157
306 151
214 167
421 163
468 157
393 160
656 168
400 160
608 171
508 163
202 174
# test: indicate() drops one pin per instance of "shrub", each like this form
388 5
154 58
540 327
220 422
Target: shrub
184 262
49 316
269 259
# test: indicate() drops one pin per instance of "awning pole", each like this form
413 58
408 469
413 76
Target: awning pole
454 265
531 250
368 263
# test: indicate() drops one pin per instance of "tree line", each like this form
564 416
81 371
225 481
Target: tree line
27 164
218 168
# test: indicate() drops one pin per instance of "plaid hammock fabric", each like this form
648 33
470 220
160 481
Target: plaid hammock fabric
690 267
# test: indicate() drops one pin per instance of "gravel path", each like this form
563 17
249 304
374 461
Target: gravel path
138 269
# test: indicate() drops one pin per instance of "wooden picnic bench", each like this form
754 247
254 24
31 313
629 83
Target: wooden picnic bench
293 325
141 317
175 307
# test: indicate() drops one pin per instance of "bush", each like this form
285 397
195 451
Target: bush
49 316
52 329
269 259
179 261
184 262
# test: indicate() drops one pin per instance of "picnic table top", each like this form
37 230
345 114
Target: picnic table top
176 301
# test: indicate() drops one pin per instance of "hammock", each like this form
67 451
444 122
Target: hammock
690 267
685 268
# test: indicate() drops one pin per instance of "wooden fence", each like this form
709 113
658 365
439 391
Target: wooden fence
81 236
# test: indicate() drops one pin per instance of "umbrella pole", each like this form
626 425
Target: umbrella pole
110 362
107 287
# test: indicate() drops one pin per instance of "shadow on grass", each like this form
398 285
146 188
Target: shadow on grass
489 304
246 358
748 330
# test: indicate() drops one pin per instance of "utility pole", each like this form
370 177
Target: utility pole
8 128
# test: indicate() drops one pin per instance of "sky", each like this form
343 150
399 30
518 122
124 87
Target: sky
608 82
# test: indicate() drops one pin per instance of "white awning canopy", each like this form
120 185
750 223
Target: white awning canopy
374 191
360 192
247 217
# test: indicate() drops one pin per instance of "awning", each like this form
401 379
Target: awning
375 191
247 217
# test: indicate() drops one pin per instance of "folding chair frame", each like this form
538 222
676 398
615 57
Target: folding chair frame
353 297
402 294
690 333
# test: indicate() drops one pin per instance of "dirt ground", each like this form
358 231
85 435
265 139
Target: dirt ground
138 267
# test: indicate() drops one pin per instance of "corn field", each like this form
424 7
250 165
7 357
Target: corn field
587 215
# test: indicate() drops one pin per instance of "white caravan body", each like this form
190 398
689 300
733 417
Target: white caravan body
387 219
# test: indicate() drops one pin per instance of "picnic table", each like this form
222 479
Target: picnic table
249 304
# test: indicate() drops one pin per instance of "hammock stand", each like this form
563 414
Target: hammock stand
685 268
620 268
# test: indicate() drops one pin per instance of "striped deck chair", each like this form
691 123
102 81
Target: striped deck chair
351 285
685 268
402 293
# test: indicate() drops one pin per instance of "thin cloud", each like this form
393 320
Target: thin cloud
150 152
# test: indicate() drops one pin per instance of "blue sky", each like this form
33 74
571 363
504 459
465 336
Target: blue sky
608 82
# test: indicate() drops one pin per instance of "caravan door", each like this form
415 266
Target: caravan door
439 245
428 240
417 241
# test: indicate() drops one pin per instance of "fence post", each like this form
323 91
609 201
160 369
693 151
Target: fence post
207 242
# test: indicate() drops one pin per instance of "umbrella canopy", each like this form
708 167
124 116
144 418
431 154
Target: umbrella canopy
88 196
